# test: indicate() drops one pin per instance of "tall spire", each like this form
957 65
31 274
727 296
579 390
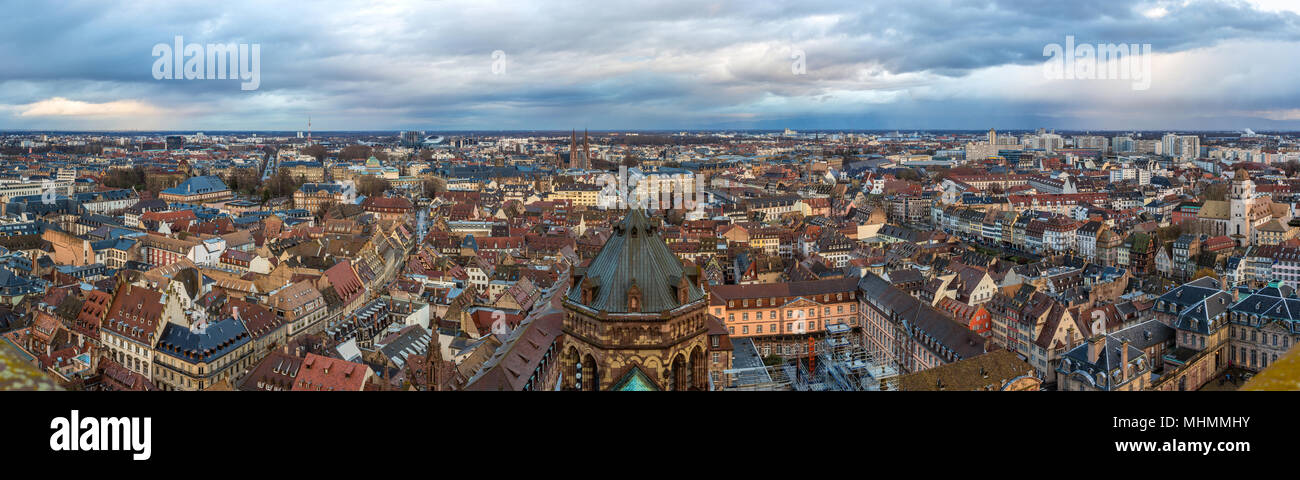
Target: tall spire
573 149
586 151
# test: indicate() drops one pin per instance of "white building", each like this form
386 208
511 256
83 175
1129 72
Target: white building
208 252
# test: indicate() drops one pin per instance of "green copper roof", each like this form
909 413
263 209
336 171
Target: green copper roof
635 254
635 380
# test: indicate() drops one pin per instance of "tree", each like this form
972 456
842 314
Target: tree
1205 272
1172 232
316 151
434 186
244 180
631 160
907 174
675 217
353 152
371 186
126 178
1217 191
283 184
1291 168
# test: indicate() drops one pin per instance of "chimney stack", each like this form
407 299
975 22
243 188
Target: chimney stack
1123 359
1095 347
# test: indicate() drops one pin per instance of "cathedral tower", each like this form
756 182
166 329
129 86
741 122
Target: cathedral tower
636 319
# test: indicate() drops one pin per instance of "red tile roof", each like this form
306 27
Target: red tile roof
135 313
330 374
345 281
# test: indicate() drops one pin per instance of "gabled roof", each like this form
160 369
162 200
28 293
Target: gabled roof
319 373
205 345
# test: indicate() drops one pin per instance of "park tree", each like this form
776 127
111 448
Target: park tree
354 152
1290 168
1205 272
133 177
907 174
372 186
1217 191
316 151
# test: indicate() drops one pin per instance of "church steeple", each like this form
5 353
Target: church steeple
578 158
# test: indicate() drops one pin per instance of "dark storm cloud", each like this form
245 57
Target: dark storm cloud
676 64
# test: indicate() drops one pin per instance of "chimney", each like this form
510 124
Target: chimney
1095 347
1123 359
234 312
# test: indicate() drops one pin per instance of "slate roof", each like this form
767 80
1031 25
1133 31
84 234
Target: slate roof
913 313
198 185
1201 315
905 276
217 339
1107 364
412 340
635 254
1271 303
1192 292
1146 334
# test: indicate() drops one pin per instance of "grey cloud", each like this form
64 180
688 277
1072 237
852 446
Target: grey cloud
356 63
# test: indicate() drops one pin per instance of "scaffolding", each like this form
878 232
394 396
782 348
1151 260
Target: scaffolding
839 362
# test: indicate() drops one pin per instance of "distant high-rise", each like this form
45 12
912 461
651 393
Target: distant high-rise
411 138
1180 147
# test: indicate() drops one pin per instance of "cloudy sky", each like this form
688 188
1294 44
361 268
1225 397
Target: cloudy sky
666 64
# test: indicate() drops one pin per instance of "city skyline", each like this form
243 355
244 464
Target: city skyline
675 66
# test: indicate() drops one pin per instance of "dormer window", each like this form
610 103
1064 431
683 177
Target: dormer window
589 290
683 291
634 298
